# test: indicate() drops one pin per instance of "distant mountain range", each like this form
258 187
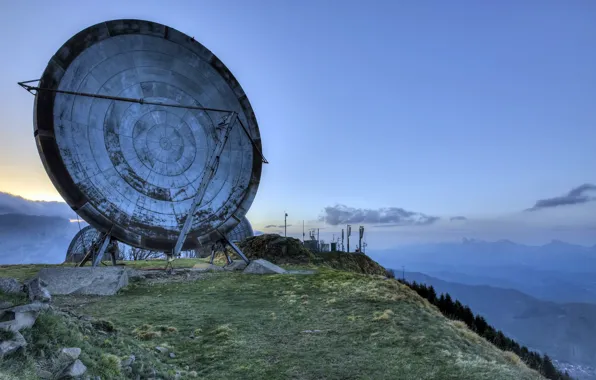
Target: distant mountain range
565 331
556 255
557 271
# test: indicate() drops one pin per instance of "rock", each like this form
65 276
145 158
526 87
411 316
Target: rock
43 374
70 354
172 355
34 306
9 346
311 331
128 361
235 265
193 374
75 370
10 285
261 266
5 305
37 291
163 350
21 317
102 281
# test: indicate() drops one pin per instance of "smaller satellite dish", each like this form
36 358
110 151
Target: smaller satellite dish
241 231
85 241
81 244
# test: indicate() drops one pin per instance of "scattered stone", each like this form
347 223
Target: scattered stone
70 354
163 350
9 346
104 281
172 355
193 374
235 265
75 370
10 285
20 317
128 361
261 266
37 291
43 374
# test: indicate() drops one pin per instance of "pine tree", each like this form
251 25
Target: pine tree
548 369
432 295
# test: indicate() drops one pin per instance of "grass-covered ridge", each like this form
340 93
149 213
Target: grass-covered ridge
333 325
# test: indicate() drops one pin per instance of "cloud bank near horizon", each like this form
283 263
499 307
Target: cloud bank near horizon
14 204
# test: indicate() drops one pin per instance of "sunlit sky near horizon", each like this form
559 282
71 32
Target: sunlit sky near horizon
443 109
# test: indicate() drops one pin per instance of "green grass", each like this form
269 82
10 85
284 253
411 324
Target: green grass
237 326
23 272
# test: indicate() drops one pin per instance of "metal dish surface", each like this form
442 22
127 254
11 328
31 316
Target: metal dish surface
242 231
134 168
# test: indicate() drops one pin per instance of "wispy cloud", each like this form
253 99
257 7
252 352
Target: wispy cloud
576 196
276 226
14 204
458 218
390 216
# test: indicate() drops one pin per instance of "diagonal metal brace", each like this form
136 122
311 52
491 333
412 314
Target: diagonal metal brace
102 249
208 175
234 247
35 89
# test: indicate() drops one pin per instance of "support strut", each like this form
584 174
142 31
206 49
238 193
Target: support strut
209 173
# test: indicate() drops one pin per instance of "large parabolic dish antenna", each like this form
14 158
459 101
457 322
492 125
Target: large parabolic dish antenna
128 115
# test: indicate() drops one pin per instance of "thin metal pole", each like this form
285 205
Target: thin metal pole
318 241
303 232
285 224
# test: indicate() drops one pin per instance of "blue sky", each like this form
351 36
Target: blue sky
459 108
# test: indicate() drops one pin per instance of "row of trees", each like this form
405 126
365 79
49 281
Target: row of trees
455 310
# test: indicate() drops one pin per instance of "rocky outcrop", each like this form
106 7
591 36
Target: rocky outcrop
10 286
277 249
21 317
103 281
15 318
36 291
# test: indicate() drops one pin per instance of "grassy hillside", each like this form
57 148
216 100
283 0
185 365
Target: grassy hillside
332 325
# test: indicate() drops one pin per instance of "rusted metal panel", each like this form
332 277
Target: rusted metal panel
137 167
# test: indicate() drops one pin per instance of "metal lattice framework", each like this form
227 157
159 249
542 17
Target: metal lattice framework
147 135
